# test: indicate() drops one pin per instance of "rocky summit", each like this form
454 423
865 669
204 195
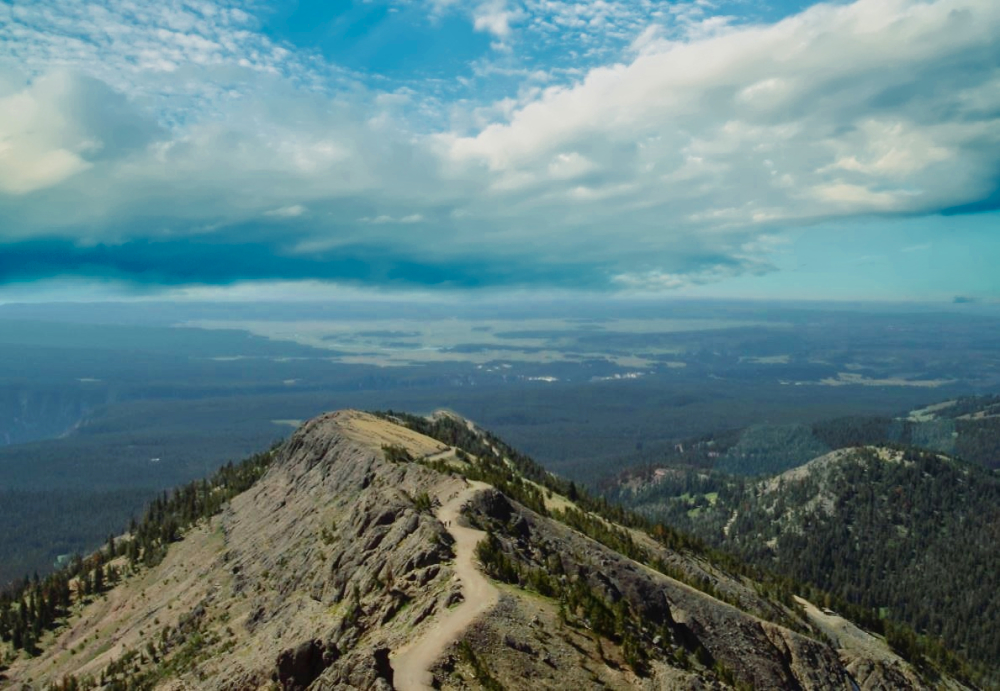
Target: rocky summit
392 552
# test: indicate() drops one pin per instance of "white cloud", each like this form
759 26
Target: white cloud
382 219
891 149
569 165
37 148
61 126
494 17
662 168
858 198
293 211
177 56
657 281
831 112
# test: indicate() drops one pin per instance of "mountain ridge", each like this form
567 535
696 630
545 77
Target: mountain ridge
905 532
323 571
966 428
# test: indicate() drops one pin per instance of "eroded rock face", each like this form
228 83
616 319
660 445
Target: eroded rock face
758 652
299 667
300 581
332 535
873 675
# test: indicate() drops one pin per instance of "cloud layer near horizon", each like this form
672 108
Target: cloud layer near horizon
205 153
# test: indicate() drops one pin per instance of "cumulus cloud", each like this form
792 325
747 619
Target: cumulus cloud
839 110
59 126
677 163
495 17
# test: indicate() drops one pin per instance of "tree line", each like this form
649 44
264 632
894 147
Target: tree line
32 606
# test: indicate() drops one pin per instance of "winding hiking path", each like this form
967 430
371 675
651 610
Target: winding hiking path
411 665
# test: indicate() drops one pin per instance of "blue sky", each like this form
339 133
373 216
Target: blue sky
745 148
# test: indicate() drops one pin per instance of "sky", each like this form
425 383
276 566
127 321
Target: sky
316 148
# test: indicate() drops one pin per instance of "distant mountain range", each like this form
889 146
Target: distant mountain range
966 428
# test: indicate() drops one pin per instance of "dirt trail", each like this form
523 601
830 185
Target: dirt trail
411 665
439 455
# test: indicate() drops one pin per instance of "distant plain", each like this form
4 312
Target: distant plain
113 402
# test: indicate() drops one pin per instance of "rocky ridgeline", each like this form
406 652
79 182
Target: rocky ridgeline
335 563
673 616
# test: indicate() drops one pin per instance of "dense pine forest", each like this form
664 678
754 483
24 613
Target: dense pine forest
44 527
903 532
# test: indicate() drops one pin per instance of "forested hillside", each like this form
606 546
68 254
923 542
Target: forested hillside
908 533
